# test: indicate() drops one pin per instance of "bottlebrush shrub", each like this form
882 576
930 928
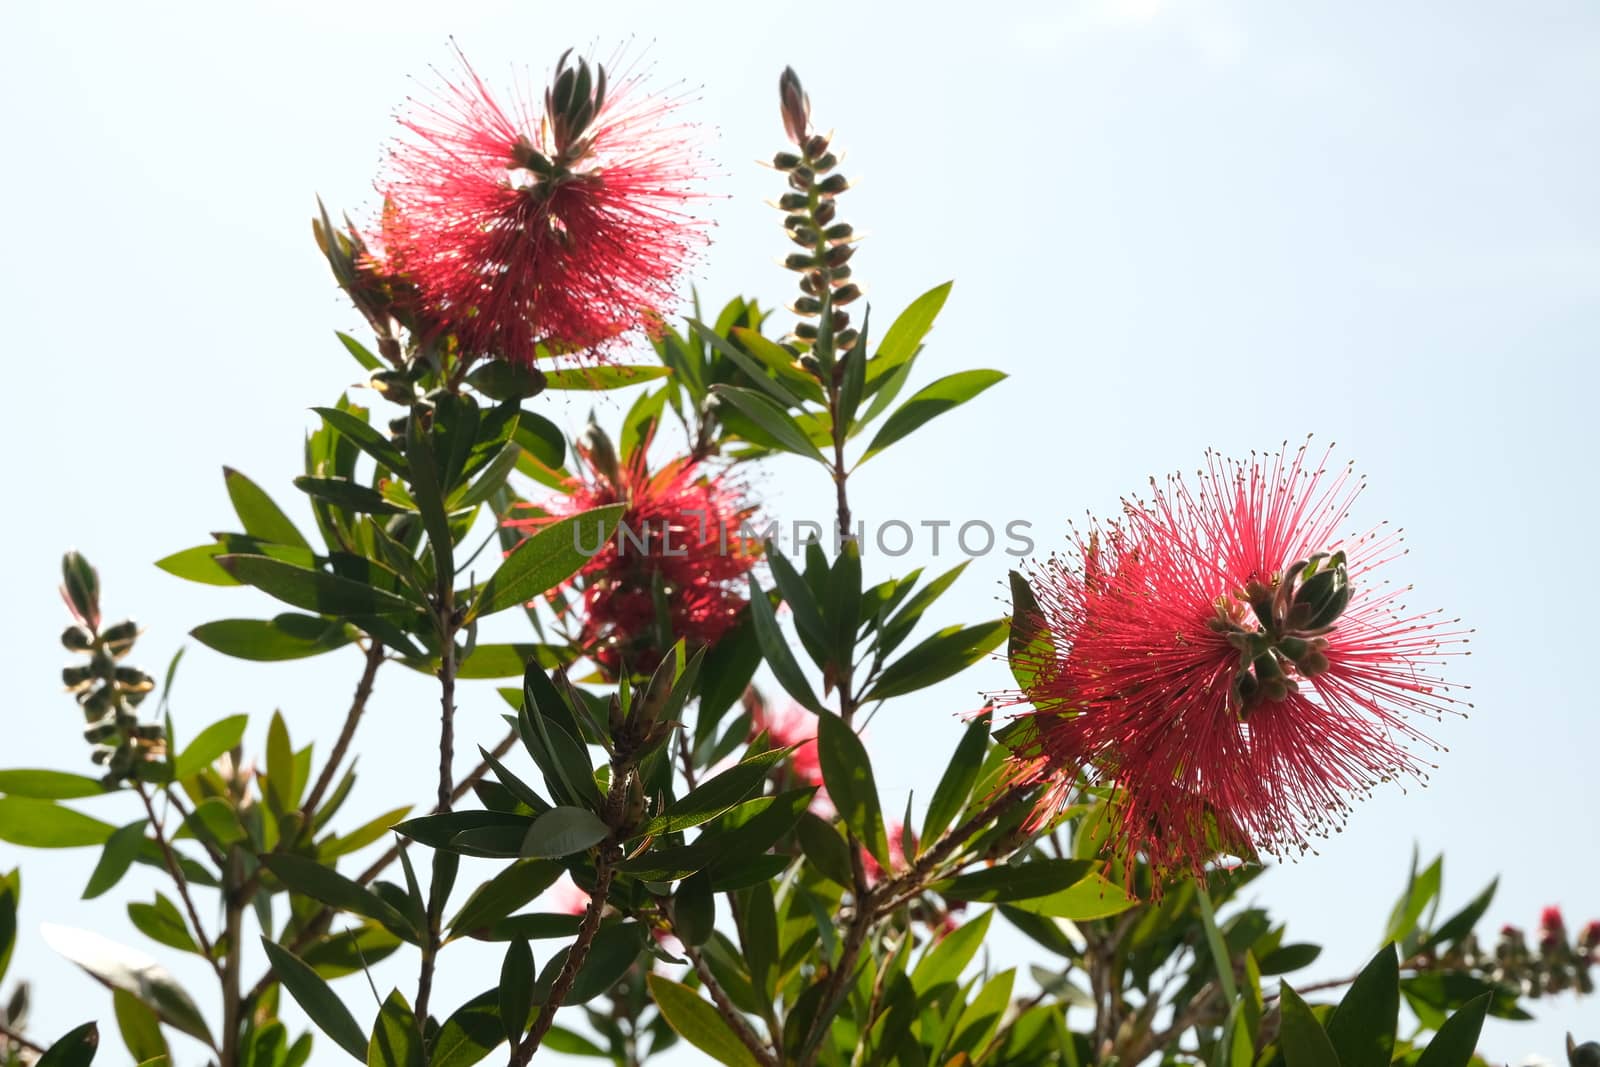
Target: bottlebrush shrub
1210 675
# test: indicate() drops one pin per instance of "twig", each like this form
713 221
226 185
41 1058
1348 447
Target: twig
352 718
15 1038
604 870
719 996
315 925
182 883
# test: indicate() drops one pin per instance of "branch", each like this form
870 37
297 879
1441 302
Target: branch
352 718
15 1038
725 1007
178 879
318 922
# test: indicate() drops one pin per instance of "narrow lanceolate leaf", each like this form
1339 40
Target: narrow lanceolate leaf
121 849
208 744
42 824
312 879
775 648
365 436
49 785
121 968
287 636
321 1003
470 1034
75 1048
955 785
1362 1026
698 1023
715 796
847 772
1024 881
1457 1039
562 831
906 333
313 590
1305 1042
395 1041
616 376
1029 646
928 402
942 655
261 517
772 419
547 559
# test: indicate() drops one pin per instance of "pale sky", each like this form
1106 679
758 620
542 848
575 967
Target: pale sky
1174 225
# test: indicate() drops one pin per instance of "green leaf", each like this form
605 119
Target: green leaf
319 1002
694 910
614 950
437 831
612 376
284 637
516 990
140 1027
776 649
43 824
503 894
906 333
358 350
500 379
75 1048
1305 1043
396 1041
49 785
280 764
772 419
121 849
947 958
10 891
198 564
698 1023
1289 958
1008 883
826 849
1457 1040
1091 898
162 923
312 590
1420 891
261 517
546 559
1452 930
208 744
928 402
746 831
942 655
847 772
119 968
365 437
470 1034
715 795
312 879
1362 1026
563 830
1029 646
350 495
955 785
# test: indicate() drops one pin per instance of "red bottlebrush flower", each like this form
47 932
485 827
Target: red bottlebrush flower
678 552
1552 929
1589 938
562 226
1229 659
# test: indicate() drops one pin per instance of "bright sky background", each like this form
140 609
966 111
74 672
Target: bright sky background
1175 225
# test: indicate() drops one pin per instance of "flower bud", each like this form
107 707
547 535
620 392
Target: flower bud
393 386
839 255
841 231
119 638
80 675
816 146
833 185
825 212
786 161
601 455
800 261
794 105
80 586
823 164
804 236
793 202
846 294
801 177
76 638
135 680
808 305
